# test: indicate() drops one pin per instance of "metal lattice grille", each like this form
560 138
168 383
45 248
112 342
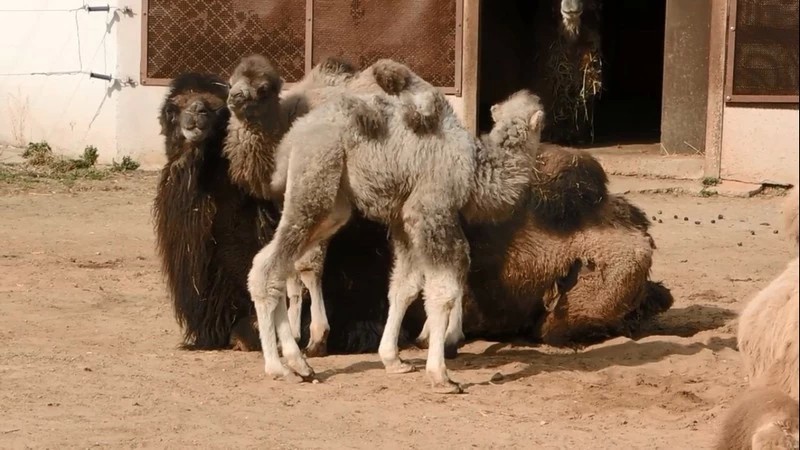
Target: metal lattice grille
765 48
212 36
419 33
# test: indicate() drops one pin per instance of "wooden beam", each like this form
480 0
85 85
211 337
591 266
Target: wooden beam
716 87
469 66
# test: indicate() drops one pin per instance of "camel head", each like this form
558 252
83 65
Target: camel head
193 110
255 88
571 11
519 120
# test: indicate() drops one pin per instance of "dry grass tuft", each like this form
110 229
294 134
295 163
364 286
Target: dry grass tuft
41 164
577 73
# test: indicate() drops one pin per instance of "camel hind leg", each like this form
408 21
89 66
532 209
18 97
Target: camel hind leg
442 250
294 290
310 267
454 335
308 273
315 209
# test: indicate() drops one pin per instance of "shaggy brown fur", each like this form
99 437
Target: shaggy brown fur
570 184
762 418
206 229
256 125
563 286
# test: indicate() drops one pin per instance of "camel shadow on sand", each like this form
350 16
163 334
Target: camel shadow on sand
677 322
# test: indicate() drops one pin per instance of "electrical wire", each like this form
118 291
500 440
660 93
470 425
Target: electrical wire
85 7
59 72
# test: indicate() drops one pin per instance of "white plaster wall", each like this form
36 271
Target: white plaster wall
760 144
69 111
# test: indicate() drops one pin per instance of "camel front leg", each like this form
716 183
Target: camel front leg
267 285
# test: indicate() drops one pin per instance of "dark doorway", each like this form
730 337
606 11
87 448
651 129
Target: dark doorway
629 109
632 42
505 52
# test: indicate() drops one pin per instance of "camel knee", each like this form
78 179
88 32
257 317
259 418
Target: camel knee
444 288
266 280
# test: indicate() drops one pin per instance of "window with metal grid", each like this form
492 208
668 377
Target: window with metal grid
763 47
423 34
212 35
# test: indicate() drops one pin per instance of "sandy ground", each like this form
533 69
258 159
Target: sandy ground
88 347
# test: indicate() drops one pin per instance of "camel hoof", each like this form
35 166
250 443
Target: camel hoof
316 349
451 351
400 367
238 345
301 369
447 387
291 377
244 336
278 372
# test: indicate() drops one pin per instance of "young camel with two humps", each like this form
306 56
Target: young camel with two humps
259 120
359 152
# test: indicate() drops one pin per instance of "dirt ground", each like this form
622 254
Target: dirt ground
88 347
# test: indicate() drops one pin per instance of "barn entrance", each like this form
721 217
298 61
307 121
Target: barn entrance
520 48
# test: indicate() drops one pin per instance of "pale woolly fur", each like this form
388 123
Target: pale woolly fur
763 418
768 325
260 166
790 215
768 339
416 183
506 159
329 79
571 11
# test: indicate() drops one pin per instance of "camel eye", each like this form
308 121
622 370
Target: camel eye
172 111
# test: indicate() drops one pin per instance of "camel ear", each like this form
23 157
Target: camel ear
493 110
537 121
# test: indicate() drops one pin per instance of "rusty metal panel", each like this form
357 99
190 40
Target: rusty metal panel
763 46
212 35
424 34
